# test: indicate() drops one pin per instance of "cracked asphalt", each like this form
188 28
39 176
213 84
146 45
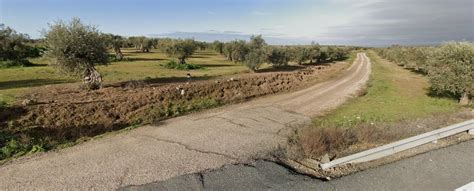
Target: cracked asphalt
444 169
183 145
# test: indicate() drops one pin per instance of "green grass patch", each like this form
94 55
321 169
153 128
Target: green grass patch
174 65
393 94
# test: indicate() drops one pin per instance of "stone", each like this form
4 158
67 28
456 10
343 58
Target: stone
28 102
325 158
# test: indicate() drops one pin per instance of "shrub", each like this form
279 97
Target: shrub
177 66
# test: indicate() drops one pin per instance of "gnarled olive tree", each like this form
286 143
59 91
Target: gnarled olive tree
181 49
76 49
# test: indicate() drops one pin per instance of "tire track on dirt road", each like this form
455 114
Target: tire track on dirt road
182 145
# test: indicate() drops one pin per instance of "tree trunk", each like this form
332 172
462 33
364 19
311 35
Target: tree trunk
118 54
182 60
464 99
92 79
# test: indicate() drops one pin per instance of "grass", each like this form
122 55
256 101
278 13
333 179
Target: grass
393 94
136 66
393 97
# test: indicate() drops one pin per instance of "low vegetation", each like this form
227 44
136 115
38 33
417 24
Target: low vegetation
393 98
174 65
449 67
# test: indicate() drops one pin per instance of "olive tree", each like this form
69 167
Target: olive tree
218 47
115 42
255 53
255 58
143 44
300 54
76 49
236 50
451 70
181 49
14 48
278 56
316 53
257 42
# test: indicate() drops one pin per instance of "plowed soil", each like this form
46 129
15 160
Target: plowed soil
68 113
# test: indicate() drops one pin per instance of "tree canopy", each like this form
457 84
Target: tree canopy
14 47
76 49
181 49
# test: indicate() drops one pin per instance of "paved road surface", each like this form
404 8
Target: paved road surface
183 145
445 169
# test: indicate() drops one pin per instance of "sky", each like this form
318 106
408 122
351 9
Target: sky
344 22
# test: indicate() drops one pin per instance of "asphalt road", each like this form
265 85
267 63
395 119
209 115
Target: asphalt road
444 169
183 145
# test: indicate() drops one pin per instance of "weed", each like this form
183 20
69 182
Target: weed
174 65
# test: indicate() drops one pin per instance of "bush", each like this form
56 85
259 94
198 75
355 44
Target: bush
177 66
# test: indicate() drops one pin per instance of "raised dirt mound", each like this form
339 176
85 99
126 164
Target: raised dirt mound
67 113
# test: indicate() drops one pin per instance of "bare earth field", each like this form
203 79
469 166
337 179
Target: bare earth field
61 114
185 144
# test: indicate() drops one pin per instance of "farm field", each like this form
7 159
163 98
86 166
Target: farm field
137 66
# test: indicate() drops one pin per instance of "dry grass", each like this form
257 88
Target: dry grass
338 142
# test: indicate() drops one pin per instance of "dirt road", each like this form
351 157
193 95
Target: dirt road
183 145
